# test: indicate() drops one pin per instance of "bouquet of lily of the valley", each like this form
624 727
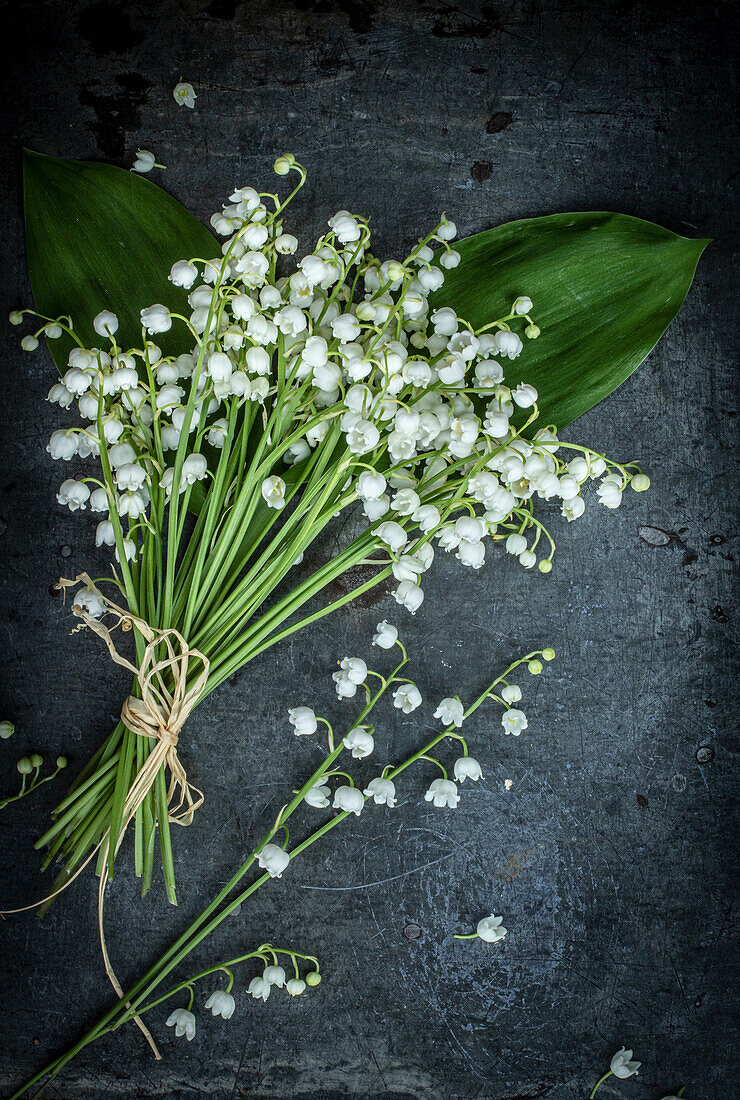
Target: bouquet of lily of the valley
221 407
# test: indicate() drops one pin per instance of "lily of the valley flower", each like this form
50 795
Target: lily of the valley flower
450 711
274 975
514 721
407 698
183 1022
512 693
144 162
184 94
156 319
273 491
466 767
348 799
622 1065
382 791
221 1004
259 989
360 740
491 929
443 792
386 635
317 796
303 721
295 986
273 859
352 672
105 323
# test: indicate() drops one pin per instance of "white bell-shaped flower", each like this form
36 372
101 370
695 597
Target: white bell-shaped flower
183 1022
221 1004
273 859
382 791
386 635
348 799
491 929
156 319
407 698
303 720
360 741
442 792
514 721
274 975
317 795
450 712
466 767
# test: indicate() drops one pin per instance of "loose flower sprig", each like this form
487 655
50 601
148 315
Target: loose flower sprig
489 929
621 1066
296 396
31 766
350 798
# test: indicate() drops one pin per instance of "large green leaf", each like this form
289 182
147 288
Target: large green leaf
605 287
99 237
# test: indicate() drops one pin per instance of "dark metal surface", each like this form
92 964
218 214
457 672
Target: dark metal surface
610 857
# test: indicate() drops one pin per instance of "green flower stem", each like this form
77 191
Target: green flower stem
598 1083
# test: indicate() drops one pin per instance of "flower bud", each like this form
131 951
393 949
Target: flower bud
284 164
545 566
7 729
15 317
535 667
532 331
640 482
548 654
29 343
36 759
24 766
61 761
314 978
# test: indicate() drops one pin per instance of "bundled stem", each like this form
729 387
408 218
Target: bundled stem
326 398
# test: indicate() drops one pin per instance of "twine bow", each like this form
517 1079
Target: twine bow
159 714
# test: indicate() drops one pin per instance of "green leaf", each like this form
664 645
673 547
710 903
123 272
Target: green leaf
99 237
605 288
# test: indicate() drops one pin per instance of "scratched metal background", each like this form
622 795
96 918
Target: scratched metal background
611 856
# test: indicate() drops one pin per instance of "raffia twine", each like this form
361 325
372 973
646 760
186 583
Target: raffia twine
159 714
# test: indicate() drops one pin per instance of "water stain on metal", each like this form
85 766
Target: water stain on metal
116 113
107 28
655 536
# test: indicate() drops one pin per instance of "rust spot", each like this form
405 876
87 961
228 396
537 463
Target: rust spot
515 864
481 170
498 122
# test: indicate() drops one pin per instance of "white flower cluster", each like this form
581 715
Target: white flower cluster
222 1003
345 353
353 673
